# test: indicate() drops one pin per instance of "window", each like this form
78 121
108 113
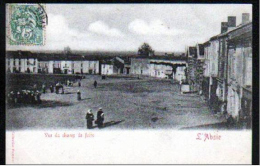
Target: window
34 62
14 62
8 62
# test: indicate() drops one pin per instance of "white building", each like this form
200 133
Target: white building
107 69
159 66
180 74
21 62
27 62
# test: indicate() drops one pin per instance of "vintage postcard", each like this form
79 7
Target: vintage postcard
128 83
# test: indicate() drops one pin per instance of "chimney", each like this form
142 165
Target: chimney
224 27
231 21
245 18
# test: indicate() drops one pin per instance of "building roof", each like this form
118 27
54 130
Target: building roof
229 31
20 54
177 58
207 43
51 56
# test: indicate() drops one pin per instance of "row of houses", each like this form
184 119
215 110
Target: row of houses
221 68
166 66
28 62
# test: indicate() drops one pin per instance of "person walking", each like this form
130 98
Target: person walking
100 118
89 118
95 84
79 84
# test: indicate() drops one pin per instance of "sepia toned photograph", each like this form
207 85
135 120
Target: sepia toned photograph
86 70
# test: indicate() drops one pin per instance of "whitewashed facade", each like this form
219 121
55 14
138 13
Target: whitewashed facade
107 69
22 65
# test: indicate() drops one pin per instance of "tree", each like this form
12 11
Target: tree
145 49
67 50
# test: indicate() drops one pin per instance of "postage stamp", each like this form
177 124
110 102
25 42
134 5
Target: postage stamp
27 24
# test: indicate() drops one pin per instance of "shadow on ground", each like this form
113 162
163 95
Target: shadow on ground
43 104
108 124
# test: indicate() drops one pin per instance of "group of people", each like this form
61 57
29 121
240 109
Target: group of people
24 96
90 118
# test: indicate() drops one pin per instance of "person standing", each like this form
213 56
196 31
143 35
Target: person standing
35 87
79 84
38 97
18 97
180 84
78 95
43 88
89 118
95 84
100 117
32 97
51 89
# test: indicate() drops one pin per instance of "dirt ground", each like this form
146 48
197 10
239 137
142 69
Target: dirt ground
133 103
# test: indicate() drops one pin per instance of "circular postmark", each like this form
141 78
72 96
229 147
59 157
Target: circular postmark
27 24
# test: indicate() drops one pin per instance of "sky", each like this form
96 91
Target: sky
124 27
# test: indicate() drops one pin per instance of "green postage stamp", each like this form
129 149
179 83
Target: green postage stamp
27 24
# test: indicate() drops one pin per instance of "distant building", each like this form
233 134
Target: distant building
206 70
199 66
21 62
159 66
107 68
28 62
191 53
